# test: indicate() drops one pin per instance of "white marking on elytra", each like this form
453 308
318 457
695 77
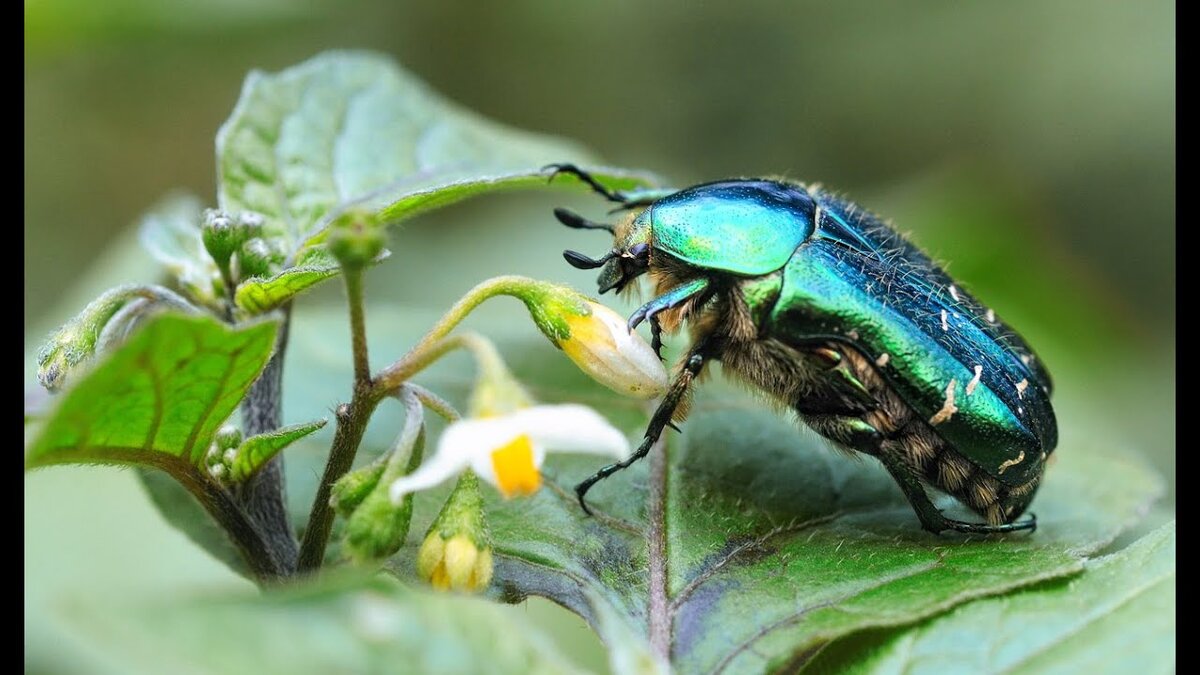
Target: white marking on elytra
974 380
1021 387
954 292
853 335
948 407
1010 462
883 359
990 316
945 323
1025 358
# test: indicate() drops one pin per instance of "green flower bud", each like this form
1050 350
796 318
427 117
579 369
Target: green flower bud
77 340
349 492
255 259
356 238
221 236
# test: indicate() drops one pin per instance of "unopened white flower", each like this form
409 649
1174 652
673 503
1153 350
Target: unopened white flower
508 450
602 345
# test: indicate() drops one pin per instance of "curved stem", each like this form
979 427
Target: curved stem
430 349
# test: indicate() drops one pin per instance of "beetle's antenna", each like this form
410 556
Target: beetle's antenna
581 262
572 219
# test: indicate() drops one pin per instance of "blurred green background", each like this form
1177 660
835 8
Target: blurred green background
1030 144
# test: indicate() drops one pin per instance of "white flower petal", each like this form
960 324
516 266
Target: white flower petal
435 471
571 428
456 450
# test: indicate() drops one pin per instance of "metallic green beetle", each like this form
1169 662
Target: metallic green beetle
824 307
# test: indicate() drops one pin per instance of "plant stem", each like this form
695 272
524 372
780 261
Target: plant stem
219 503
351 425
358 325
263 495
428 349
660 616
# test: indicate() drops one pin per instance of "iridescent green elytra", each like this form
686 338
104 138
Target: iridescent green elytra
825 308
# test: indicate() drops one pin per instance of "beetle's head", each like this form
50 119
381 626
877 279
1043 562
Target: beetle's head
629 257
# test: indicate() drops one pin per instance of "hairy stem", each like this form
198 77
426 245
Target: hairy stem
263 496
220 503
660 613
430 348
351 425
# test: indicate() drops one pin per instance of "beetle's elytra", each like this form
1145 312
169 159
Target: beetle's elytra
821 305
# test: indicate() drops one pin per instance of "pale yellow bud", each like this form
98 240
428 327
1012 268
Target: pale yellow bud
602 345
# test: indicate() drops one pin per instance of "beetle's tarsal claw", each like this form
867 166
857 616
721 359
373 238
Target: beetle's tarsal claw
581 491
675 427
578 222
636 319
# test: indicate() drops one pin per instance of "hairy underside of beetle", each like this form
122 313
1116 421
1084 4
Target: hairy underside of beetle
834 389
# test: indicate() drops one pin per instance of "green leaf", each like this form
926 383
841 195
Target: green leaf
1117 617
259 295
159 398
776 543
170 231
350 128
256 451
337 625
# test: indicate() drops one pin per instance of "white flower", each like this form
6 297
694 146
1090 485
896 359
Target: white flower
602 345
508 450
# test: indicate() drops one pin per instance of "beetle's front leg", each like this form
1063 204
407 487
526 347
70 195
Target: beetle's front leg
656 342
669 300
661 420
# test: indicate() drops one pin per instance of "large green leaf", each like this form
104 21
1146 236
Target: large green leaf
159 398
1118 617
339 625
774 544
354 128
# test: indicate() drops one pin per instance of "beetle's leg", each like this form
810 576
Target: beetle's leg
672 298
660 420
570 169
636 199
656 342
931 518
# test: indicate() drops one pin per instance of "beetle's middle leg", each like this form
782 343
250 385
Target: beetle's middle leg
660 421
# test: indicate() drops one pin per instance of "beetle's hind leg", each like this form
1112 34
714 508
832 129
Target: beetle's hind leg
660 421
931 518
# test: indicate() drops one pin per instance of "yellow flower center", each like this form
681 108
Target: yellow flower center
516 474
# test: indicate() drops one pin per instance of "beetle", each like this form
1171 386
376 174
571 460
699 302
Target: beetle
817 302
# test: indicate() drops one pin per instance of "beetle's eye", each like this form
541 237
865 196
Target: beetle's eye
639 250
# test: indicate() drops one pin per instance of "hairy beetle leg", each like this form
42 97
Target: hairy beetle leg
929 515
661 420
